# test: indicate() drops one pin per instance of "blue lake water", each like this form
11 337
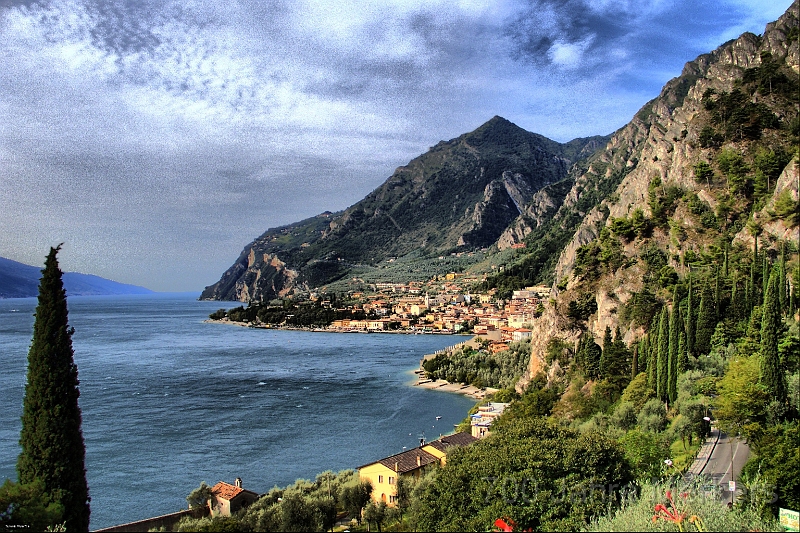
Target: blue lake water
169 401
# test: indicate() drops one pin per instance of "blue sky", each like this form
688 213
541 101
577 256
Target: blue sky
157 138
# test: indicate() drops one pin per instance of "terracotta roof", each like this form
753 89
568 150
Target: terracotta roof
406 461
456 439
409 460
226 491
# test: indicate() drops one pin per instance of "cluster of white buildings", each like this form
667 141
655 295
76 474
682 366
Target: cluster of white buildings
449 311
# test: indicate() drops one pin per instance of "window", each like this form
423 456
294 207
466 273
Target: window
391 480
380 479
392 499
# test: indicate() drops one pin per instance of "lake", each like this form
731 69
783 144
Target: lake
169 401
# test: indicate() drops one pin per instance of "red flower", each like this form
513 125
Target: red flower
507 525
667 514
502 525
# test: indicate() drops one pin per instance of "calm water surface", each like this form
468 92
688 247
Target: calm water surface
169 401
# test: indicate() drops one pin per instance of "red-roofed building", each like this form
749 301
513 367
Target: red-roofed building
230 498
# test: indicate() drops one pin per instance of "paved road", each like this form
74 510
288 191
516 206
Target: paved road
726 461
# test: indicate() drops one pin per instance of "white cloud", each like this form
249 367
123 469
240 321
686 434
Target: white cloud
569 55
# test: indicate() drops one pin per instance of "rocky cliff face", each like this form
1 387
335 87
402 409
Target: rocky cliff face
461 195
658 151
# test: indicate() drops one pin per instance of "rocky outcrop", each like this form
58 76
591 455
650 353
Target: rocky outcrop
663 141
538 210
775 223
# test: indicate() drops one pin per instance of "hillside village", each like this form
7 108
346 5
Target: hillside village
439 306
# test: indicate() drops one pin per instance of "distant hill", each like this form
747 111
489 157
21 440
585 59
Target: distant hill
460 196
18 280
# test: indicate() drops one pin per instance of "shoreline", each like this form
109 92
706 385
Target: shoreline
455 388
336 330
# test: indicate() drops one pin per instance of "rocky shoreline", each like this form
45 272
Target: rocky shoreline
331 330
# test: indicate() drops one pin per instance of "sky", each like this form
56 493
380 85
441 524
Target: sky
157 138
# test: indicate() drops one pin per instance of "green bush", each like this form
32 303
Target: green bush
538 474
640 513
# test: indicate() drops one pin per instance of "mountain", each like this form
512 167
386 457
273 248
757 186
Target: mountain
461 195
18 280
684 189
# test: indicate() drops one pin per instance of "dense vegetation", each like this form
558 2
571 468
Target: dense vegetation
289 313
479 367
304 506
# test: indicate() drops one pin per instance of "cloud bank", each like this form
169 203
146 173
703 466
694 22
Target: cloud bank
157 138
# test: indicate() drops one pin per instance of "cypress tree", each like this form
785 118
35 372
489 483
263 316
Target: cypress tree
641 358
592 354
765 268
51 439
607 355
675 322
748 297
663 355
706 321
735 309
623 354
683 359
726 260
717 292
754 299
782 297
635 361
580 353
690 319
771 372
652 360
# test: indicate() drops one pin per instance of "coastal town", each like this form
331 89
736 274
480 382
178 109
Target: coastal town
442 305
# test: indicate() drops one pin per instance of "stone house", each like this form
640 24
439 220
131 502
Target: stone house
230 498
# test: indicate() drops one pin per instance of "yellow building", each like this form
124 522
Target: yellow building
383 474
441 446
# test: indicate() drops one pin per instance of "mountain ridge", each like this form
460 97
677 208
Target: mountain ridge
18 280
460 195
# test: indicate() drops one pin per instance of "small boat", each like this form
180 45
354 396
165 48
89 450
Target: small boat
438 418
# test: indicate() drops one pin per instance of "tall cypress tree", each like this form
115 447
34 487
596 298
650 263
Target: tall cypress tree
607 355
652 359
675 326
771 372
52 444
623 354
717 292
735 309
683 359
691 315
592 356
643 355
706 321
782 296
663 354
754 297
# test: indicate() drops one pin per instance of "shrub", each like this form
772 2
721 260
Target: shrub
686 501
